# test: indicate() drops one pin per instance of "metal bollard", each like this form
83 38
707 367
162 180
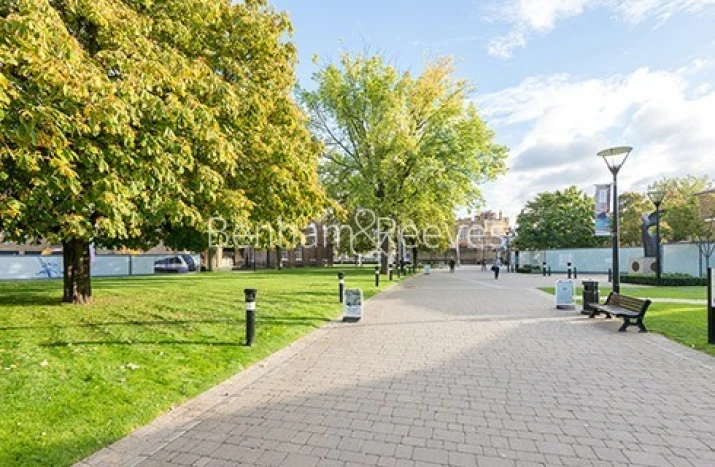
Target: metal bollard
250 315
341 285
569 270
377 276
575 272
390 271
549 271
610 275
543 269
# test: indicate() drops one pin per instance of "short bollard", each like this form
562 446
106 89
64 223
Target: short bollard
575 272
549 271
377 276
543 269
610 275
390 274
569 270
341 285
250 315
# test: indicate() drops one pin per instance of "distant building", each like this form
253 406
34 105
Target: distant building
480 238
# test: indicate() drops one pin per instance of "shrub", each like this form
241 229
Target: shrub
671 279
528 269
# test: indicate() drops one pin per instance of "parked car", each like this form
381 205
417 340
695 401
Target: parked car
175 263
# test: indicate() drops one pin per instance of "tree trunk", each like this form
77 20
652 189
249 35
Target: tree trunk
77 279
414 259
330 253
268 258
384 253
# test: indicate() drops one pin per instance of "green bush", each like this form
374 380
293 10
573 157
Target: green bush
670 279
528 269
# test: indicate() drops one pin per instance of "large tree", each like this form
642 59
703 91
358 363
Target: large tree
680 206
633 206
128 122
409 148
558 219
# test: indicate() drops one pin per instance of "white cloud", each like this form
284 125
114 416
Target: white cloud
667 116
529 17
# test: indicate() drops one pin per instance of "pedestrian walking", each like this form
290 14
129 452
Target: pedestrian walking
496 267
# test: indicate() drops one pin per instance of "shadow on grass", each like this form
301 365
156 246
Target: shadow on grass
300 320
31 299
143 342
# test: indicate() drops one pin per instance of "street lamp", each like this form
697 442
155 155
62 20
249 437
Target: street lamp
509 236
615 158
657 196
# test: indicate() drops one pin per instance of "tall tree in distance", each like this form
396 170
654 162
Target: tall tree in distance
559 219
633 205
400 145
680 206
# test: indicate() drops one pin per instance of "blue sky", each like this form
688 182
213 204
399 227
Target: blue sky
557 80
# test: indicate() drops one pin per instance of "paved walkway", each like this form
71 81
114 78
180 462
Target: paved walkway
451 369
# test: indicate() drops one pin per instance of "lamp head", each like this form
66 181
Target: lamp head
657 196
615 157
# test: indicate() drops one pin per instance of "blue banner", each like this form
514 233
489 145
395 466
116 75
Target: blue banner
603 214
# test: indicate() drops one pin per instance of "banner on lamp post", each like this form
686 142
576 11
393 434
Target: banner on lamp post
603 213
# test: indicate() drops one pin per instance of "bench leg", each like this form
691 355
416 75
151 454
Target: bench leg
640 324
626 323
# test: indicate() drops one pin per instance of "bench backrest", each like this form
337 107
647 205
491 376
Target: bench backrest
638 305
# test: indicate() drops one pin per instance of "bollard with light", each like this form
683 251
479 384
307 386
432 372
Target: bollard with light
377 276
341 285
250 315
615 158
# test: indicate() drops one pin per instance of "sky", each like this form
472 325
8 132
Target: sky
557 80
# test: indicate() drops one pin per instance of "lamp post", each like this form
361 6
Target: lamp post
657 196
509 236
615 158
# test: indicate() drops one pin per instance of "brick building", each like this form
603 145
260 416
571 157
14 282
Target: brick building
480 238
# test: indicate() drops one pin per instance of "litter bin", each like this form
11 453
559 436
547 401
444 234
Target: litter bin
590 295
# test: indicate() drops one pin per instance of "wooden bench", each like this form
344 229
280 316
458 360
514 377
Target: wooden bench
631 309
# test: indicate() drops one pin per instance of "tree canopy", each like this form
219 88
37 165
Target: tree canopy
410 148
558 219
633 205
680 206
128 122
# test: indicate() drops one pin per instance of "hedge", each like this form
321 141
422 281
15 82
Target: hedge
675 280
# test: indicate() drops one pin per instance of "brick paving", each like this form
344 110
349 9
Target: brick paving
450 369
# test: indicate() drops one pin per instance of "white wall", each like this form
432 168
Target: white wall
681 257
50 266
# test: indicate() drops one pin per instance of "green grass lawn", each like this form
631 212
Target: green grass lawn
76 378
684 323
